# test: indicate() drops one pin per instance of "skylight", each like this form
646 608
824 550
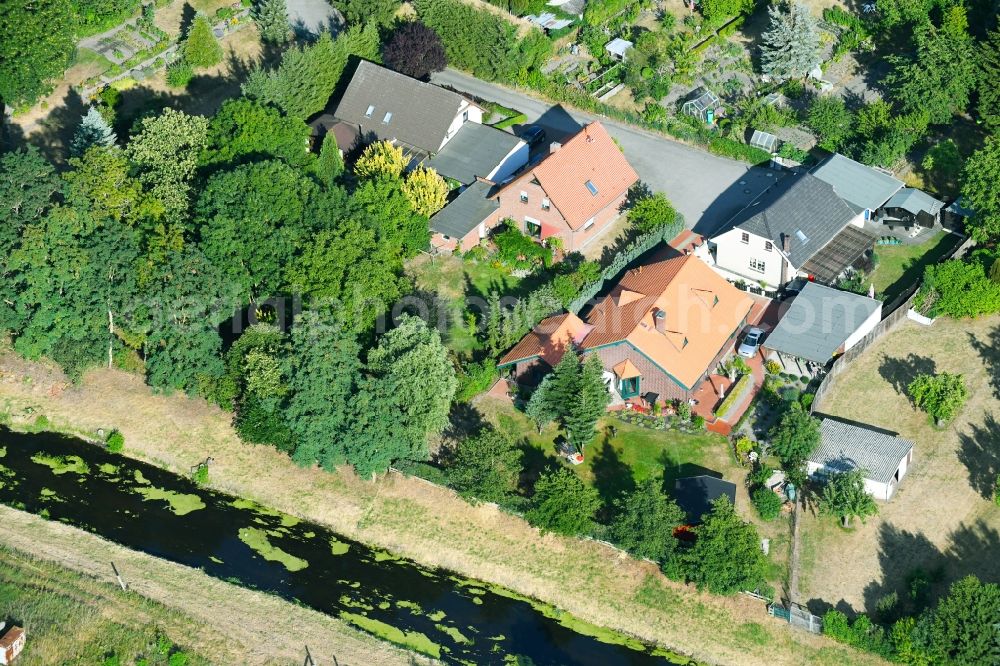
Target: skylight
801 236
591 187
388 117
370 111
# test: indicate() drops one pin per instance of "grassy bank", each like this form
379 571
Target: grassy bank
425 523
57 581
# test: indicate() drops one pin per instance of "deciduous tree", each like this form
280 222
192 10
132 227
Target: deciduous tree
243 130
563 504
844 496
963 626
988 92
981 188
726 557
380 159
426 190
794 437
791 47
716 11
486 466
652 212
831 120
36 41
940 395
645 521
415 50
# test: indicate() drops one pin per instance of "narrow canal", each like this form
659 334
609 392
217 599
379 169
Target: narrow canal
430 611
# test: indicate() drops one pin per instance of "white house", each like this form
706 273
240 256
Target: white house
822 322
798 227
883 456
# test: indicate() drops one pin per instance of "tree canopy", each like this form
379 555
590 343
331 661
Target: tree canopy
415 50
563 504
36 42
794 437
486 466
791 47
726 557
645 521
844 496
940 395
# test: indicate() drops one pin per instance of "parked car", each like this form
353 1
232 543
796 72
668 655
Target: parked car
751 343
533 135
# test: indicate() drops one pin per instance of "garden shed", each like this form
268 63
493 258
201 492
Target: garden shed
764 141
617 48
703 104
695 494
883 456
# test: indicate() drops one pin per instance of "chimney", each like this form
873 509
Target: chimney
786 247
554 146
660 318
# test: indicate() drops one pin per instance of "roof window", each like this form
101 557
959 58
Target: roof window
370 111
387 118
591 187
801 236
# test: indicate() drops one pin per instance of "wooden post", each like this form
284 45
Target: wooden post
121 581
309 659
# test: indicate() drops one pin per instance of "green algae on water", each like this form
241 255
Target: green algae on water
62 464
454 633
180 503
215 559
258 541
247 504
338 547
436 616
411 640
139 478
108 468
384 556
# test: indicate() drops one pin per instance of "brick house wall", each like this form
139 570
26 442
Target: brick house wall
653 378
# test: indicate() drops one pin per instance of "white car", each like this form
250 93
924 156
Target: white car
751 343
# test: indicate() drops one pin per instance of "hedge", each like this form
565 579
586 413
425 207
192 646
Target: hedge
736 150
735 393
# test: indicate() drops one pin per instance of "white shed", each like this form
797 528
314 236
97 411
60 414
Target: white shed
884 456
618 47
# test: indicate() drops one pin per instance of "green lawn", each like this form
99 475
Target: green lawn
900 266
461 284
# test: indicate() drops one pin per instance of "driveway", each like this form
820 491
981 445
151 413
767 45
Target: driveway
705 188
313 17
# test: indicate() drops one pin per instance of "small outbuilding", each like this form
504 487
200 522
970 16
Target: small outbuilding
617 48
823 322
911 207
11 643
695 494
764 140
703 104
882 455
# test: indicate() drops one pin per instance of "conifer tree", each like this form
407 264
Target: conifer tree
330 164
201 49
93 131
271 17
791 47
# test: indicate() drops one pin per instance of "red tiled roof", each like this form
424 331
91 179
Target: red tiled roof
548 340
590 156
701 312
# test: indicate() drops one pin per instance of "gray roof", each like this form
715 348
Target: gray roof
421 112
801 208
861 186
467 210
475 150
915 201
845 446
618 46
818 322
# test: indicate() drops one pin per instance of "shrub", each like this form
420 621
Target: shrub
179 74
474 379
422 470
683 410
806 400
743 445
200 476
996 491
115 441
736 150
767 502
699 422
941 396
772 367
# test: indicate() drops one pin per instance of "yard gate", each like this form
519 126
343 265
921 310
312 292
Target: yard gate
797 616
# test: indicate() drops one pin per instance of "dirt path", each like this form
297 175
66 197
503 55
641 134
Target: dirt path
428 524
228 624
793 566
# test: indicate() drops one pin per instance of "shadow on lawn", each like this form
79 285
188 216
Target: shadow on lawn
901 371
919 573
980 453
989 351
612 477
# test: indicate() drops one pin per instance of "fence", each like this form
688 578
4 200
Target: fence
797 616
892 314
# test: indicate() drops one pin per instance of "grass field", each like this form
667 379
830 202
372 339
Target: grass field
408 517
69 615
900 266
941 520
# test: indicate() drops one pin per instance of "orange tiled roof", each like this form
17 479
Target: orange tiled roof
548 340
590 156
626 370
701 311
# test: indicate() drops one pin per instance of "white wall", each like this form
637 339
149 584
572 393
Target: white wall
863 330
859 221
475 116
733 256
515 159
878 490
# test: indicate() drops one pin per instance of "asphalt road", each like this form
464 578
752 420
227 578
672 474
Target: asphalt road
705 188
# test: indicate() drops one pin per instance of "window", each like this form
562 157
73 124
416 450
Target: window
591 187
524 197
715 301
465 116
387 118
745 238
546 204
532 227
757 265
768 246
629 388
589 224
369 112
685 343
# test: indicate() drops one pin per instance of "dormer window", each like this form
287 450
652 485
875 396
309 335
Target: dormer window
387 118
370 111
591 188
